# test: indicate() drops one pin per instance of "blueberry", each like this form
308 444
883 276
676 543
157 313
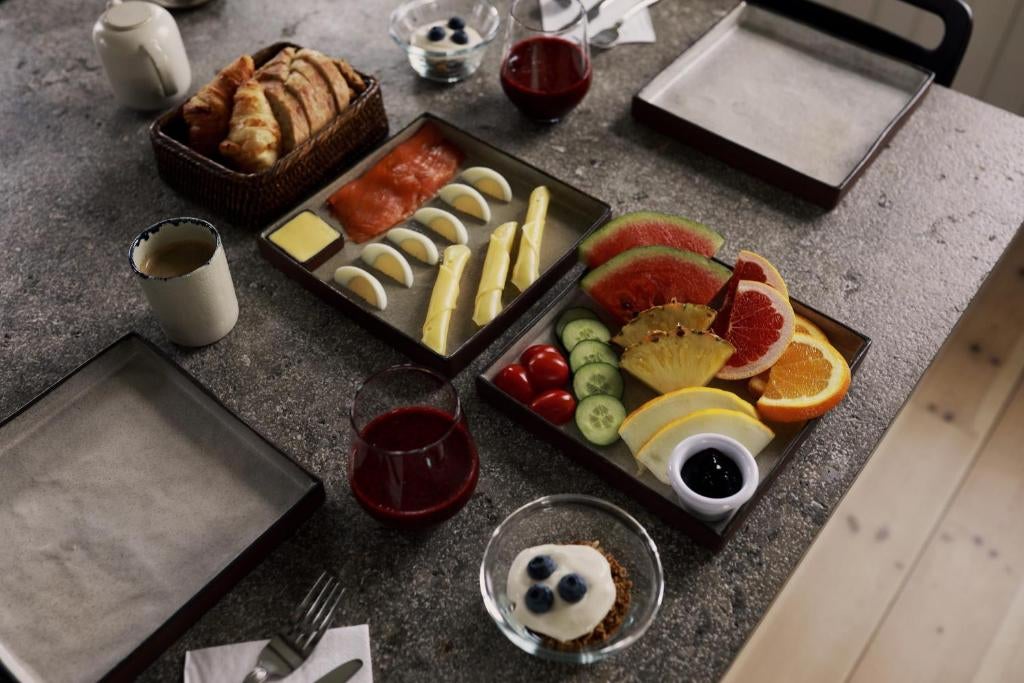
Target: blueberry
460 37
435 34
539 598
540 567
456 23
572 587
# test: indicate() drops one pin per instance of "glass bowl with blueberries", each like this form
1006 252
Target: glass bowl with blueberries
445 40
571 578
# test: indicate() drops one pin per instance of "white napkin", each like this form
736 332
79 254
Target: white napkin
233 662
637 29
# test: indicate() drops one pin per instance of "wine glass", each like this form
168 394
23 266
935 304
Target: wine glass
413 460
546 70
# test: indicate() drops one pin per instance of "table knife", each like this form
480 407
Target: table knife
342 673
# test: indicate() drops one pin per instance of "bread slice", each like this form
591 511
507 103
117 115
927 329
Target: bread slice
330 73
306 84
289 114
208 112
278 67
352 77
254 139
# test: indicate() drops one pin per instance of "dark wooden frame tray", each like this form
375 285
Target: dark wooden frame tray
151 646
816 148
615 463
573 214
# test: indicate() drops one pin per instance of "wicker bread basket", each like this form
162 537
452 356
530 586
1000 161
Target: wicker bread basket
257 198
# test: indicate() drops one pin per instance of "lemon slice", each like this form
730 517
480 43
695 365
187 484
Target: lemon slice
488 181
443 223
366 286
467 200
389 261
415 244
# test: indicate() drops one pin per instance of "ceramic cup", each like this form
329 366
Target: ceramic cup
199 307
142 54
712 509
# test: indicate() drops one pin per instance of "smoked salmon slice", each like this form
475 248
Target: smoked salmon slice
397 185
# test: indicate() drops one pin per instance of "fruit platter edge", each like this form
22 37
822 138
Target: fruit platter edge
615 463
573 215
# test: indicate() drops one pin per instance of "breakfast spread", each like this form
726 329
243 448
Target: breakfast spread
574 595
249 118
305 236
363 284
712 474
397 185
445 36
444 297
492 281
527 266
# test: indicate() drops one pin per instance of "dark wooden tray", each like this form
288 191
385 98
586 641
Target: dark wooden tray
123 441
616 464
772 94
573 214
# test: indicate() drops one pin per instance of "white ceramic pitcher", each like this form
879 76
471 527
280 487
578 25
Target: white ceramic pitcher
143 56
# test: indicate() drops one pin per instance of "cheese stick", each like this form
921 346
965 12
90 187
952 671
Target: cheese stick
527 268
444 297
492 281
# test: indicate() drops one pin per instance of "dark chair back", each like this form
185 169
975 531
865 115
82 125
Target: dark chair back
944 60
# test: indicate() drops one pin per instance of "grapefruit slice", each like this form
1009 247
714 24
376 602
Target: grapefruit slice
761 325
644 277
644 422
646 228
749 266
808 380
805 326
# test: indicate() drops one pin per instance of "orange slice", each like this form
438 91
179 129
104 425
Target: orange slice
761 325
808 380
752 266
805 326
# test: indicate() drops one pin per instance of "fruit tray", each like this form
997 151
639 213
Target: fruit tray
572 215
615 463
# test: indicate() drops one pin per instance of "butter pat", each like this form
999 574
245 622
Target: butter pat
304 236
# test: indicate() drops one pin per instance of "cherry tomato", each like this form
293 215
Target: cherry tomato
547 370
515 382
535 350
555 405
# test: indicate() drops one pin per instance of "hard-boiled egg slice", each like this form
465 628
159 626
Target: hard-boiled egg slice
415 244
443 223
389 261
366 286
467 200
488 181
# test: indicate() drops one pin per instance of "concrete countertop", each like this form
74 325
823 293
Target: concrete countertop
899 259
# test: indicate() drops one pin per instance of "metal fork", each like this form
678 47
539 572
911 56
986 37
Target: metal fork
289 648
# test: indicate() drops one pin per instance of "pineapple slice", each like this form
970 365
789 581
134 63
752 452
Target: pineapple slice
664 318
666 361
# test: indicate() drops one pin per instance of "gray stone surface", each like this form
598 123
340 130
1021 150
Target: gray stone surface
900 259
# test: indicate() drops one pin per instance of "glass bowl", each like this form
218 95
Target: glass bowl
445 66
569 518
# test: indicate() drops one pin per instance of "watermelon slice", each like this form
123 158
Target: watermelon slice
643 277
646 228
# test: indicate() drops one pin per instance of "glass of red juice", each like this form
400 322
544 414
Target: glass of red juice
546 67
413 460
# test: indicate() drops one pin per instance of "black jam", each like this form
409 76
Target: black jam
712 474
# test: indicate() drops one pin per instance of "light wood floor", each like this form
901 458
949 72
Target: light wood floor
919 573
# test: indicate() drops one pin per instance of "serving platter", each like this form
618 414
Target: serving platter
572 215
615 463
129 490
783 100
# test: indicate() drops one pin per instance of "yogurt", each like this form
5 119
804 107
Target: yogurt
421 38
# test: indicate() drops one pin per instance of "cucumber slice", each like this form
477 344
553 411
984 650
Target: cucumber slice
599 418
570 314
597 378
592 351
582 329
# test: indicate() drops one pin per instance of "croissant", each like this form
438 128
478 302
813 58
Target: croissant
208 113
254 138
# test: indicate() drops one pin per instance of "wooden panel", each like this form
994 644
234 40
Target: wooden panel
1004 659
954 602
1005 84
828 611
